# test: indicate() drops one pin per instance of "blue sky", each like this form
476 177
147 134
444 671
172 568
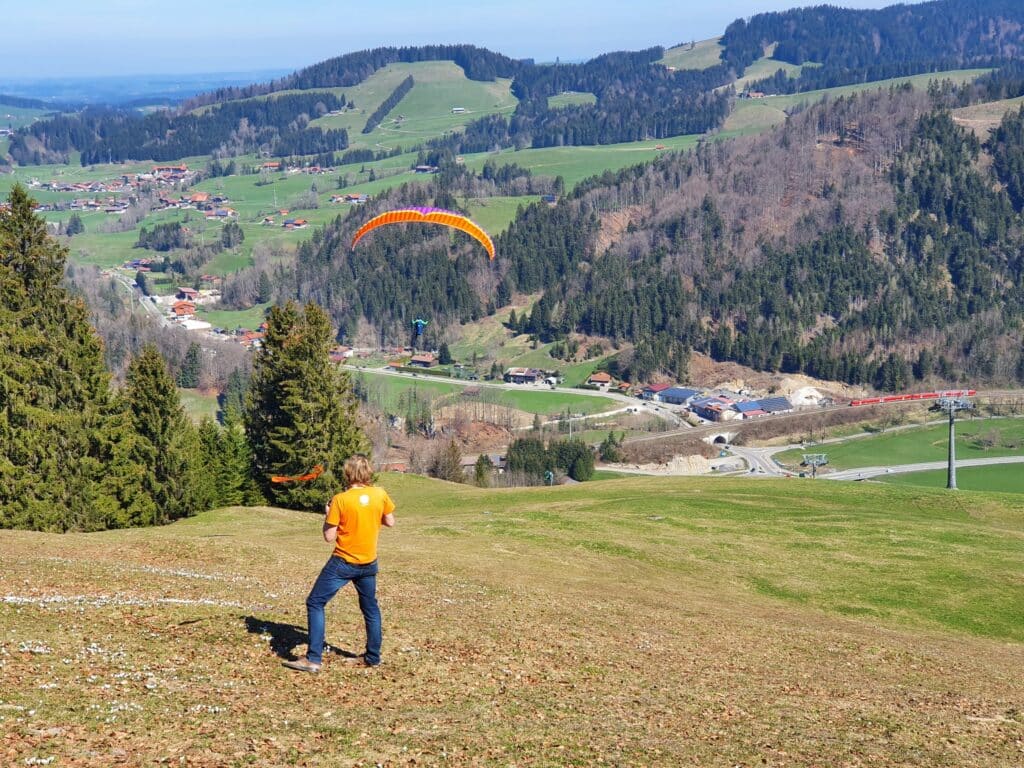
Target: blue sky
72 38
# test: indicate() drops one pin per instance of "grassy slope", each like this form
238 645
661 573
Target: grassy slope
577 163
198 405
704 54
1002 478
630 622
766 67
920 444
571 98
19 117
495 214
755 115
981 118
426 110
387 390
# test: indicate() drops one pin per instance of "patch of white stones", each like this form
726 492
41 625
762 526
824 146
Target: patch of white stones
106 601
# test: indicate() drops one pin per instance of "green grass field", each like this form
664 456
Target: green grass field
571 99
19 117
755 115
198 405
386 391
495 214
426 111
703 54
976 439
981 118
997 478
577 163
767 67
647 621
233 318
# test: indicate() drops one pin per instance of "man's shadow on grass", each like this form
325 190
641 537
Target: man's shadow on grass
285 637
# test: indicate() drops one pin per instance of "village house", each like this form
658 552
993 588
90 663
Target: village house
183 309
714 408
652 391
187 294
250 339
340 354
425 360
600 379
524 375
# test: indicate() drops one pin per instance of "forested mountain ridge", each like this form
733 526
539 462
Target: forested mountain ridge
854 46
869 240
636 97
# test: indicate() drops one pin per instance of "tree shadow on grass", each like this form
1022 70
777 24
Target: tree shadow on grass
285 637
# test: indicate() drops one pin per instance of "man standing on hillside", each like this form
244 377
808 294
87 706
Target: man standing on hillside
352 524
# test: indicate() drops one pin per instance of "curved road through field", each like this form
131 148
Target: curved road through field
865 473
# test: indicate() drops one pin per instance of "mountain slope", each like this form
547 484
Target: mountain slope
697 621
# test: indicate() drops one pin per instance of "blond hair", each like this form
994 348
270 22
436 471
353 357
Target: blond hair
357 470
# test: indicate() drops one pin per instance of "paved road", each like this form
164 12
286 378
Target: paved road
864 473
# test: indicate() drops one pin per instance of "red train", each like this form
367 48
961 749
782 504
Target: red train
915 396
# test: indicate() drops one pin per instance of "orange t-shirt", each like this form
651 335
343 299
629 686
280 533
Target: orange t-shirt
358 512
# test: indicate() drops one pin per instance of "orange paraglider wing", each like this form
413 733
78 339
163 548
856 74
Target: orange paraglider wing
429 216
313 474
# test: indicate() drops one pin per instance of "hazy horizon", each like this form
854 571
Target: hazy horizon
115 38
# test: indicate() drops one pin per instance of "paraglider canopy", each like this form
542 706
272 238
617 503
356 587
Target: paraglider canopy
428 216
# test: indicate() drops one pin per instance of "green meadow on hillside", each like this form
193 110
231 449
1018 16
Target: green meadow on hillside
639 621
767 67
19 117
997 478
703 54
570 99
981 118
574 164
975 439
388 391
756 115
495 214
442 99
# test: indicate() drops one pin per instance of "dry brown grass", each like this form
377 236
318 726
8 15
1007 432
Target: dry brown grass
499 651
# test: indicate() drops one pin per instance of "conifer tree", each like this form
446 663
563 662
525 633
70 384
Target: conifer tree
301 410
64 462
482 470
167 444
447 463
191 367
232 399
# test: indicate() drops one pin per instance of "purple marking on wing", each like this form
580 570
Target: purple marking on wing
426 211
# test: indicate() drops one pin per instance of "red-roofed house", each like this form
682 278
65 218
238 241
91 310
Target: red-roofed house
600 379
651 391
425 360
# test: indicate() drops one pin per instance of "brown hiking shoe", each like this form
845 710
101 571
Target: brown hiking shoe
302 665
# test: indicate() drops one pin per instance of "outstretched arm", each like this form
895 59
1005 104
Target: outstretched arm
330 533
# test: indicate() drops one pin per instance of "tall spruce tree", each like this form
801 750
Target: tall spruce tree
168 445
191 367
301 409
65 451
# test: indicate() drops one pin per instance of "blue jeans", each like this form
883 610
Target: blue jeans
335 575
